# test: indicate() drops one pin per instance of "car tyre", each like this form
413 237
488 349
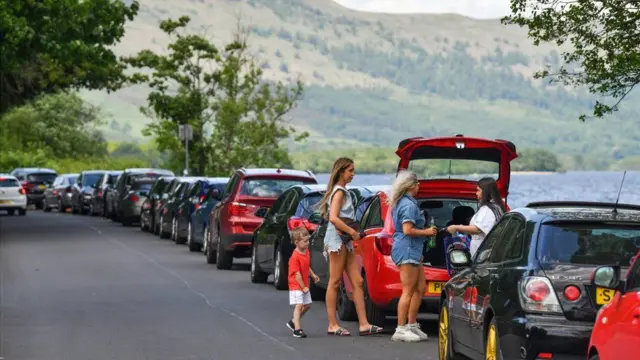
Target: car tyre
45 205
163 233
208 251
280 278
193 246
177 238
224 259
257 275
375 314
22 212
126 221
492 341
446 350
10 212
346 307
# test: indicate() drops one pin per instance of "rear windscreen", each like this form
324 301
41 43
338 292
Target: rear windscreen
150 177
72 179
458 169
9 183
91 179
142 186
588 244
42 178
308 205
269 187
442 211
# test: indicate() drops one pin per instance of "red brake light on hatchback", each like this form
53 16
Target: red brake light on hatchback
240 209
572 293
537 290
133 197
22 191
384 244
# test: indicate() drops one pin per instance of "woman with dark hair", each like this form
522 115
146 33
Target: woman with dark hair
491 210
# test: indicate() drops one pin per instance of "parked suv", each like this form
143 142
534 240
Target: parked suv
232 222
123 187
82 191
526 292
35 181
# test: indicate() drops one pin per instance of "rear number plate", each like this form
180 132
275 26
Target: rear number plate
5 201
604 296
435 287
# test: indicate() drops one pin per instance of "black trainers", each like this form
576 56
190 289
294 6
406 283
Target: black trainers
291 325
299 333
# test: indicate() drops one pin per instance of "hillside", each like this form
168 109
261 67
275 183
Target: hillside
373 79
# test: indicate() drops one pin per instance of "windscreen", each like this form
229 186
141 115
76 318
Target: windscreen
307 205
9 183
458 169
588 244
43 178
269 187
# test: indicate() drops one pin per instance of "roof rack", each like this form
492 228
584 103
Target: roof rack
587 204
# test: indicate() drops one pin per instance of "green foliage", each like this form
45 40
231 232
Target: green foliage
237 117
53 45
603 36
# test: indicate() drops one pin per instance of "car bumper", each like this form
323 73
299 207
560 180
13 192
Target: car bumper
239 244
535 334
131 213
35 198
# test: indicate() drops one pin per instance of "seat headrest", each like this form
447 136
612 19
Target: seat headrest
462 214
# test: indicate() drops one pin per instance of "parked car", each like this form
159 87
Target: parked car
82 191
616 333
169 208
58 195
13 196
200 217
130 204
148 210
525 294
35 181
99 200
195 198
232 221
438 198
123 187
272 246
164 229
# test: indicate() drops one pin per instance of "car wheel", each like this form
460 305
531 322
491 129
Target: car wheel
445 338
595 357
22 212
163 232
346 307
205 239
193 246
10 212
375 315
209 252
492 342
280 278
45 205
257 275
224 258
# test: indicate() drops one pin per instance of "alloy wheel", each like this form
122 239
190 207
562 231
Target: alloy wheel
254 258
276 272
189 234
205 243
491 352
443 334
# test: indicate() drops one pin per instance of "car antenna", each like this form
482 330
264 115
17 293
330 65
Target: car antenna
615 207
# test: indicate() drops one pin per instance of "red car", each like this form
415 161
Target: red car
438 198
233 220
616 332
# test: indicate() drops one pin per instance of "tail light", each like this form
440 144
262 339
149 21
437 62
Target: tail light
134 197
202 197
571 293
296 221
22 191
240 209
68 189
146 206
384 244
100 194
537 295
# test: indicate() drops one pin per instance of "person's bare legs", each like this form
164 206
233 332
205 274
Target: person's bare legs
337 262
408 276
357 286
297 315
416 298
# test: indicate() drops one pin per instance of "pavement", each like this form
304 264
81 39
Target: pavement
84 288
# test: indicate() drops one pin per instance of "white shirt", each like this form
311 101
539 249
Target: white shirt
484 219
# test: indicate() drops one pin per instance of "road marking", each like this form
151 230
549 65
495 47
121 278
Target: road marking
195 292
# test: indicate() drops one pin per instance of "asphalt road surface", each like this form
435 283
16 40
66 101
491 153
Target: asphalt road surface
82 288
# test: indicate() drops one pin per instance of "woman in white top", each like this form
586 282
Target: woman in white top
491 210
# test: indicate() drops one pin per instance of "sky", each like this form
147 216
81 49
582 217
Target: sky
479 9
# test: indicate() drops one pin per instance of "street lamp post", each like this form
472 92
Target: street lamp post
185 132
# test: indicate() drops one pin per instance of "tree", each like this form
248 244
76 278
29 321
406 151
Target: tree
603 38
237 118
52 45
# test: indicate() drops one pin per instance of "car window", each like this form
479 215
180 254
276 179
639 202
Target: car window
484 251
194 189
279 205
142 186
230 186
588 244
372 217
90 179
510 244
308 205
269 187
9 182
44 178
72 179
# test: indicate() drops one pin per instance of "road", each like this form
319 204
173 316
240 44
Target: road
80 288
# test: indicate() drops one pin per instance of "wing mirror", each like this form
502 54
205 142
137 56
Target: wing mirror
261 212
215 194
608 277
459 258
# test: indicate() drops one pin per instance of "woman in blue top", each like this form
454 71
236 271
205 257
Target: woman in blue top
408 240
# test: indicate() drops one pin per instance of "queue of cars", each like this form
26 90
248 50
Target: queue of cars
545 274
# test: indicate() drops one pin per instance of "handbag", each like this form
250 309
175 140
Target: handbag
352 224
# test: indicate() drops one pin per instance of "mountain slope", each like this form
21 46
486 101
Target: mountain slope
373 79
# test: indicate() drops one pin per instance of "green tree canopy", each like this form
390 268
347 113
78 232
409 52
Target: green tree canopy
51 45
601 39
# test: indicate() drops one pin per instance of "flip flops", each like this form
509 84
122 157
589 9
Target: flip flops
373 330
340 332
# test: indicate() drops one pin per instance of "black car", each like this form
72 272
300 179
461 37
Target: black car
169 208
148 211
122 190
272 246
35 181
82 191
58 195
99 200
161 229
526 293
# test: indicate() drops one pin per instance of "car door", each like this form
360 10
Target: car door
50 192
269 231
495 278
217 216
76 191
625 334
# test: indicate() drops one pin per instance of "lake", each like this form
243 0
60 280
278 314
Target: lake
570 186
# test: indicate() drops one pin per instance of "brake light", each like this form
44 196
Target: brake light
100 193
22 191
537 295
239 209
68 189
202 197
296 222
572 293
146 206
133 197
384 244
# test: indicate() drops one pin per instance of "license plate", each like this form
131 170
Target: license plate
435 287
604 296
5 201
41 187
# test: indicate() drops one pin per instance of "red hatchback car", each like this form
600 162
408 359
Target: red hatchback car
233 221
616 332
439 198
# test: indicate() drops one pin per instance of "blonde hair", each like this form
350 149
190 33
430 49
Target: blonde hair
339 168
404 182
298 234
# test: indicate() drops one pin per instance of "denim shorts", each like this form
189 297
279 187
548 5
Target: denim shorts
407 251
333 242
